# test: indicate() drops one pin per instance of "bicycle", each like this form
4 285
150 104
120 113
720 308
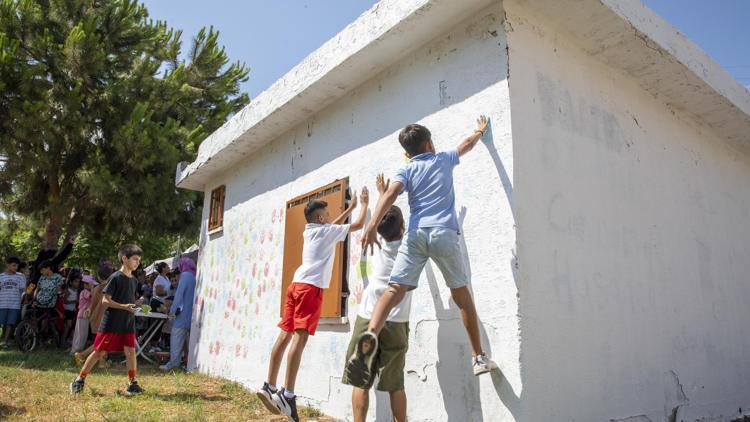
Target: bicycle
37 329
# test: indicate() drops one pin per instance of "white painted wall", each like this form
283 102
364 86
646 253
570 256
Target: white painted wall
444 85
632 244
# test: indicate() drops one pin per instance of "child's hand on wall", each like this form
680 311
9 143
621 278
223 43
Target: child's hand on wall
381 183
352 203
482 123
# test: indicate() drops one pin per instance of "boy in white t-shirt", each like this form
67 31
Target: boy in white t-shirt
304 298
387 362
12 285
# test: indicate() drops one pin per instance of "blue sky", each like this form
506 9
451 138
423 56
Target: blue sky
271 36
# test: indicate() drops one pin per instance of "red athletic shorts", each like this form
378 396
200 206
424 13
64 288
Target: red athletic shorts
302 308
113 342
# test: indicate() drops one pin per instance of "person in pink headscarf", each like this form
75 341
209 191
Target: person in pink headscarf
182 310
81 333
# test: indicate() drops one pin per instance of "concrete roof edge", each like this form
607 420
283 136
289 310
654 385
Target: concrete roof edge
647 22
627 36
370 43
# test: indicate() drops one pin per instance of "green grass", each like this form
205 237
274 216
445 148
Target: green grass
35 386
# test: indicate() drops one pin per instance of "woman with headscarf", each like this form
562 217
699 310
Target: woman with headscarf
182 310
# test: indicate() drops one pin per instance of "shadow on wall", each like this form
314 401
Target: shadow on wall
462 399
459 387
488 142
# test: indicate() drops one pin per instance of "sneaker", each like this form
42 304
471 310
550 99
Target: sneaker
78 359
266 394
288 406
165 367
359 366
133 388
77 385
482 364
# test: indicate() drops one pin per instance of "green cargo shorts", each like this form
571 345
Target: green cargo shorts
389 363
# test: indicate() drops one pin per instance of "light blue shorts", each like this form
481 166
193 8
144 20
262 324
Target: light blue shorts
9 316
437 243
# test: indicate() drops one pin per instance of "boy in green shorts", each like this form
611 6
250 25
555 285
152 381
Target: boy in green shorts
388 360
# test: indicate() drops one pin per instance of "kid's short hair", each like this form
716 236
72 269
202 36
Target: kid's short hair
104 270
128 251
13 260
413 137
47 263
390 225
160 266
312 208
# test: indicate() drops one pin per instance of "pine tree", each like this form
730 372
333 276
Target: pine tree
96 110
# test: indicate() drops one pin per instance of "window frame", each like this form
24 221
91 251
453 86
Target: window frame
336 296
216 209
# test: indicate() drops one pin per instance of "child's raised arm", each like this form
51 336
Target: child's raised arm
468 143
386 199
343 216
364 198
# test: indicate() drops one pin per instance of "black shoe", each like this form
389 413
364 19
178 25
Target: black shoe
359 366
133 388
265 395
286 405
77 385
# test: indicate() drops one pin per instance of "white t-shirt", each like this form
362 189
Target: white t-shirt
164 282
11 290
382 264
71 295
318 251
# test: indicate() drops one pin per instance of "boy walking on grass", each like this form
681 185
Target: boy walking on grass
390 355
304 298
433 233
117 329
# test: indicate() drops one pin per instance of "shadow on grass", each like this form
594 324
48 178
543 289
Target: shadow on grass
59 360
187 397
8 410
42 360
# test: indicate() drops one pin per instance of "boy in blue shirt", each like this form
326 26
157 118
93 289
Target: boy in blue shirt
433 233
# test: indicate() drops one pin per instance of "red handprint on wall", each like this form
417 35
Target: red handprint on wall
358 293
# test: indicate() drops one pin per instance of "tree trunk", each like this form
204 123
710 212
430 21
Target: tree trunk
53 230
54 227
73 225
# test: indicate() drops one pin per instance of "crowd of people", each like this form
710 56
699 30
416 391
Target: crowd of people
71 302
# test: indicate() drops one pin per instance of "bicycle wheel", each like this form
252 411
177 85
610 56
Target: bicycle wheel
26 336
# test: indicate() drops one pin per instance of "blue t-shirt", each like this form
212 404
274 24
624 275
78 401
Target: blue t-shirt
428 179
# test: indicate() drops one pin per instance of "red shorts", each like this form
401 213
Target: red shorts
302 308
113 342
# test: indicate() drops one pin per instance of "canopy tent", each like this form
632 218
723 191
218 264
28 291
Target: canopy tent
191 252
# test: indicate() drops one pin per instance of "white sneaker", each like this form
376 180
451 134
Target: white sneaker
482 365
267 396
165 367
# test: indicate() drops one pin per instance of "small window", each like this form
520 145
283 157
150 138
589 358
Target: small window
334 298
216 212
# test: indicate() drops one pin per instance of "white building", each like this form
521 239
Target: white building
606 214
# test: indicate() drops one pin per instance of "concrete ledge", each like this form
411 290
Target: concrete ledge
379 37
628 36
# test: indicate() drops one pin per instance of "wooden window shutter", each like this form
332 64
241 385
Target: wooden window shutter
216 210
334 297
